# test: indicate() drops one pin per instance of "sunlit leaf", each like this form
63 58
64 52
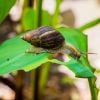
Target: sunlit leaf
13 55
5 7
78 40
46 18
29 19
75 37
76 67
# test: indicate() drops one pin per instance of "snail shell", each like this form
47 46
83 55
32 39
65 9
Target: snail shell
45 37
49 40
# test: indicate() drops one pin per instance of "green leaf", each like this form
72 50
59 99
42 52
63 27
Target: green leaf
78 40
46 18
76 67
29 19
55 17
13 55
75 37
5 7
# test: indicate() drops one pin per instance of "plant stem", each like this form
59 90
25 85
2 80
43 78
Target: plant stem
55 19
92 85
90 24
37 72
91 81
93 89
39 13
43 77
28 3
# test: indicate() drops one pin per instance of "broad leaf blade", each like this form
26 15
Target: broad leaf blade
5 6
29 19
13 56
45 18
78 40
75 37
76 67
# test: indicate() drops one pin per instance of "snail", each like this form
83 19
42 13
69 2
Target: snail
47 39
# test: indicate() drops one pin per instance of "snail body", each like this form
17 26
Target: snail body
47 39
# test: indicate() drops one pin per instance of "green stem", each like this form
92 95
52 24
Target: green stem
90 24
32 84
43 77
92 84
39 13
28 3
55 19
37 72
93 89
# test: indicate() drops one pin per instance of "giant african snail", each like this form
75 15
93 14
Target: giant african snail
47 39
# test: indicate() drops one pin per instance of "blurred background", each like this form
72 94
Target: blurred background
61 82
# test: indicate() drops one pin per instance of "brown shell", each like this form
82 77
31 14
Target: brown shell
45 37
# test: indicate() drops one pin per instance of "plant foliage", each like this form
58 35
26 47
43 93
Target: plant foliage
14 57
5 7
